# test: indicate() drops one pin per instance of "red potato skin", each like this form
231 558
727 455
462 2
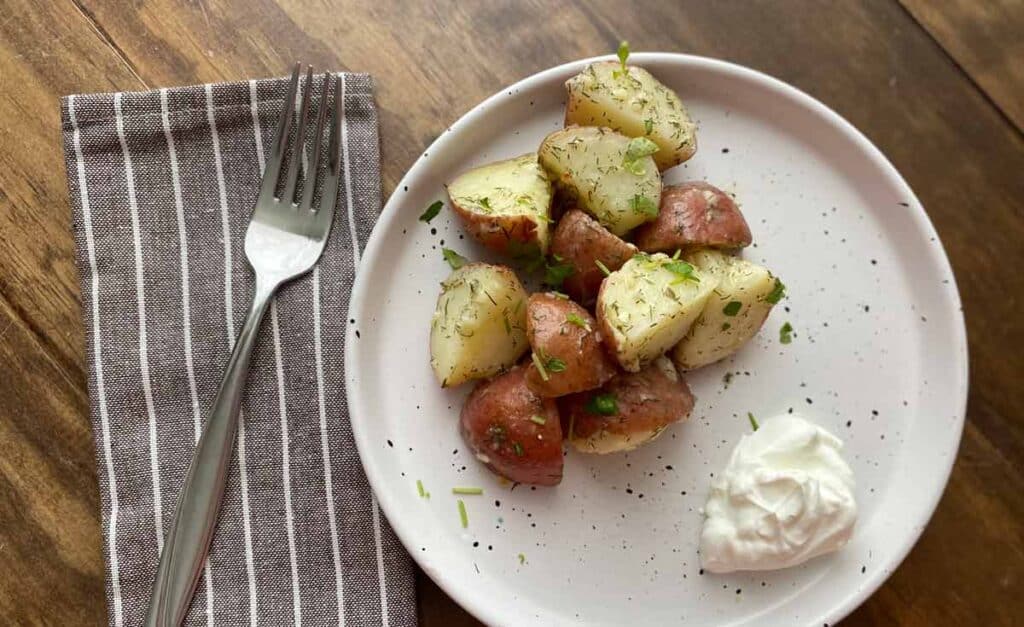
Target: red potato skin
581 240
508 235
497 416
647 400
551 334
694 215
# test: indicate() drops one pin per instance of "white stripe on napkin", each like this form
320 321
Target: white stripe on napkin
229 307
140 300
108 458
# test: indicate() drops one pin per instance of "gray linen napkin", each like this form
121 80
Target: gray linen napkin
162 184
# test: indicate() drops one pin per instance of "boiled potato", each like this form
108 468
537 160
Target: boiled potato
631 409
694 215
514 432
734 312
635 104
479 325
605 174
583 243
647 306
505 205
567 352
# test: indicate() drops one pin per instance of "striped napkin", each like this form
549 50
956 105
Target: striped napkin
162 184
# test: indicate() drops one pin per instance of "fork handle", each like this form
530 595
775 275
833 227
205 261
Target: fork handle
195 516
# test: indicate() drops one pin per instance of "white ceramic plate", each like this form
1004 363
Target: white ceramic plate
879 358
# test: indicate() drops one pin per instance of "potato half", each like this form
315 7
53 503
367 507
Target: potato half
647 306
734 312
580 241
593 168
694 215
505 205
635 104
479 325
631 409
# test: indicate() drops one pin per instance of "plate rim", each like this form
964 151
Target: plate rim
392 208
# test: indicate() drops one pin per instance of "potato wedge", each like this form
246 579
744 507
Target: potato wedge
505 205
694 215
512 431
647 306
631 409
635 104
597 169
734 312
567 352
582 242
479 324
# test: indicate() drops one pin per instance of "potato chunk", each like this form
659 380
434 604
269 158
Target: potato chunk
605 173
567 352
580 241
647 306
735 311
635 104
631 409
512 431
505 205
694 215
479 325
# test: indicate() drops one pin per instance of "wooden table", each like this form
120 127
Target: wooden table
938 86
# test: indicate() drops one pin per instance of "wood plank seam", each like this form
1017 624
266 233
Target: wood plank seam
109 41
963 71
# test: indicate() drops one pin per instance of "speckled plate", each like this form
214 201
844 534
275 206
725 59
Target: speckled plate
879 357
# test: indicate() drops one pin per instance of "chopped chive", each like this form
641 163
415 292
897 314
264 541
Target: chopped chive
602 405
675 255
555 365
539 420
778 292
732 308
540 367
753 421
572 318
558 294
518 448
432 211
458 490
603 268
522 558
463 516
454 259
648 126
419 488
623 53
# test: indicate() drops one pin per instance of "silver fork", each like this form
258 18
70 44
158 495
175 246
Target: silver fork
285 238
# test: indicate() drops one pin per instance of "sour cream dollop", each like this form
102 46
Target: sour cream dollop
785 496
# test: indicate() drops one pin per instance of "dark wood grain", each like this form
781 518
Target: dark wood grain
870 61
987 40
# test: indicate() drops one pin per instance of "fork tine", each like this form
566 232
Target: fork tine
272 170
288 195
314 162
332 178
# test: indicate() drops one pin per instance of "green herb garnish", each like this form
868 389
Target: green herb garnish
636 150
786 333
623 53
555 365
603 405
753 421
643 205
683 270
454 259
732 308
432 211
648 126
603 268
572 318
518 448
539 420
558 294
556 273
419 488
540 367
484 202
463 516
778 292
522 558
726 326
467 490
